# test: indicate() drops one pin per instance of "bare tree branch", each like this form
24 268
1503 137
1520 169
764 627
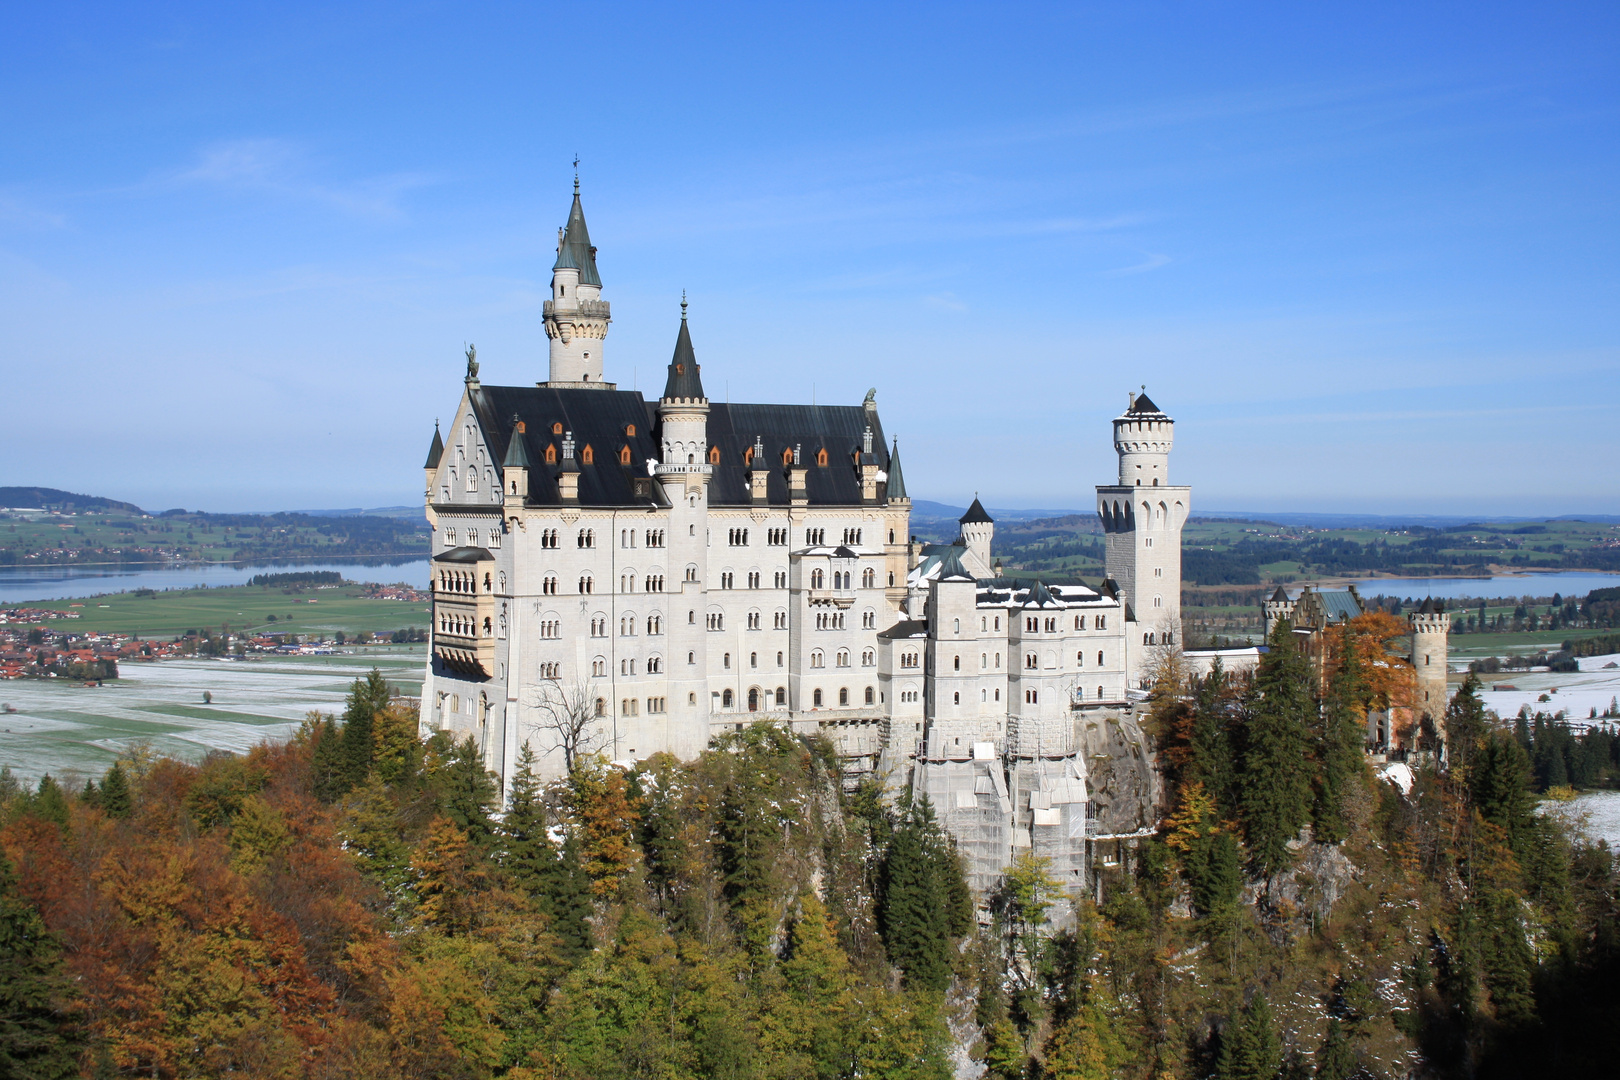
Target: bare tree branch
570 714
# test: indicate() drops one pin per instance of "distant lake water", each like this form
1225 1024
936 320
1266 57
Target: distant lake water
1502 586
20 583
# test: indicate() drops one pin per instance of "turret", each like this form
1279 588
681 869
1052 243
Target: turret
431 467
576 316
1143 437
896 490
1431 633
1276 609
515 468
1143 526
684 414
978 529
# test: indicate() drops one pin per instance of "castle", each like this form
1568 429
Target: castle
625 576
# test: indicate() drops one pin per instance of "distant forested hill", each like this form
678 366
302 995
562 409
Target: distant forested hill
52 499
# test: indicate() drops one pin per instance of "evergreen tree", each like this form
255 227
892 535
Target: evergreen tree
1339 746
37 1039
467 792
91 795
1336 1059
1466 727
49 804
914 914
1276 764
1506 960
327 768
115 797
1211 744
1250 1048
1500 787
367 698
534 864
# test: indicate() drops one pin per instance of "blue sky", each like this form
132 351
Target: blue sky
1365 254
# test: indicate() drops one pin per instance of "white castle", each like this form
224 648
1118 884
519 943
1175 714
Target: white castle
633 577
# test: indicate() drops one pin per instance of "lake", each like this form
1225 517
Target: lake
1501 586
20 583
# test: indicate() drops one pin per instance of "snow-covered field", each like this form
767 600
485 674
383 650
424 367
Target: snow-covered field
76 731
1576 693
1596 813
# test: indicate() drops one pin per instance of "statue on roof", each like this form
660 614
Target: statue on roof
871 396
472 362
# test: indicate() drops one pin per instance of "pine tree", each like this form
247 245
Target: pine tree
1211 744
1276 763
467 792
49 804
1250 1048
1500 787
1466 727
1339 746
1336 1059
367 698
115 797
914 901
328 772
534 864
37 1038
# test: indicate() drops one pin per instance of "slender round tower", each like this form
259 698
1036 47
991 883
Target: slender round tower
1142 518
1431 634
576 315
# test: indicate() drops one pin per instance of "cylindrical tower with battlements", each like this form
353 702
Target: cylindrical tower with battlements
1431 633
1142 517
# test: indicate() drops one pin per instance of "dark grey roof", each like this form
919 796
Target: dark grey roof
575 252
1431 606
464 554
897 480
599 419
905 628
517 453
435 449
1142 405
1280 596
975 514
1039 596
683 380
951 568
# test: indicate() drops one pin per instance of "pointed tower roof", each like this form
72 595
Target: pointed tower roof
683 381
575 252
517 451
435 449
975 515
1142 405
897 479
1431 606
951 568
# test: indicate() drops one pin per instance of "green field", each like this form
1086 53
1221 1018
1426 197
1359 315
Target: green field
300 611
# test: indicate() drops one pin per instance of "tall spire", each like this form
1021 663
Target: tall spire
897 479
575 252
435 448
683 380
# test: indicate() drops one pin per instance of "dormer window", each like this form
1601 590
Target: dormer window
714 455
748 456
551 454
557 428
821 456
787 457
624 455
586 456
629 431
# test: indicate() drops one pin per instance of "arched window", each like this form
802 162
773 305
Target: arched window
557 428
956 699
817 699
781 695
753 699
868 578
714 455
816 579
817 659
629 431
871 695
551 454
956 663
725 699
587 456
624 455
843 695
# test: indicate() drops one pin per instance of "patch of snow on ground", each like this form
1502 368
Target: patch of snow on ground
1577 692
1399 774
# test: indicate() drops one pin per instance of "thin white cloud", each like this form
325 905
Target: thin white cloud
16 211
281 168
1152 262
